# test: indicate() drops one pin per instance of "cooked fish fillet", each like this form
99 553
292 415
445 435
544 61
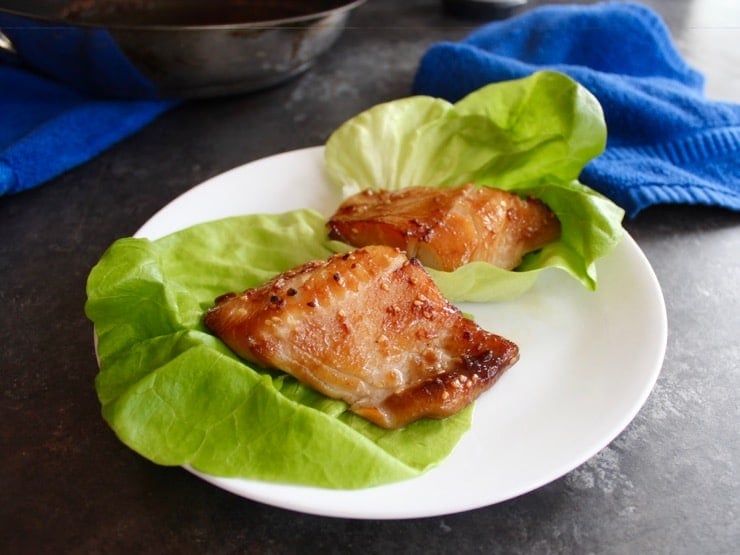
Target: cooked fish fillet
447 227
368 327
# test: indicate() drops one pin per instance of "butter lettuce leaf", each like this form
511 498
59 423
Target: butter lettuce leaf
532 136
177 395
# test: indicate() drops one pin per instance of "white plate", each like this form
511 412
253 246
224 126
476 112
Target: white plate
588 362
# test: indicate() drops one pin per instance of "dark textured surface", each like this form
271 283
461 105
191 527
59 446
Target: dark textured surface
670 483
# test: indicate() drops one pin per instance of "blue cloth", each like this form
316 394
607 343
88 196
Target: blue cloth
667 142
53 116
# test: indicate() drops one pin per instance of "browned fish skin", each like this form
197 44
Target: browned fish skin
447 227
368 327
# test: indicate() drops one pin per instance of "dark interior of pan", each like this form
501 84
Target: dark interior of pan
170 12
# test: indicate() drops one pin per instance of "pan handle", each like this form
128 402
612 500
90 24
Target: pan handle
7 50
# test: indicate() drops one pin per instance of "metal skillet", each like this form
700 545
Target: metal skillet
169 48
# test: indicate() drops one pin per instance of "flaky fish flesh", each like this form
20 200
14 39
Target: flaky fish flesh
447 227
371 328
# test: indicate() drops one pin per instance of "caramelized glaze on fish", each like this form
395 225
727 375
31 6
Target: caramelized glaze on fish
368 327
447 227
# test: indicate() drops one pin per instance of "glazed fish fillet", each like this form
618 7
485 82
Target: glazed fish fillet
368 327
447 227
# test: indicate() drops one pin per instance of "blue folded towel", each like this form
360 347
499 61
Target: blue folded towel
48 126
667 142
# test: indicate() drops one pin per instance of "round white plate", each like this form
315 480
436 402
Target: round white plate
588 362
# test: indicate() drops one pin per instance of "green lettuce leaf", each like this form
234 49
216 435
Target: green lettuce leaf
532 136
178 396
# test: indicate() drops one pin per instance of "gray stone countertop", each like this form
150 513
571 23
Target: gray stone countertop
669 483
